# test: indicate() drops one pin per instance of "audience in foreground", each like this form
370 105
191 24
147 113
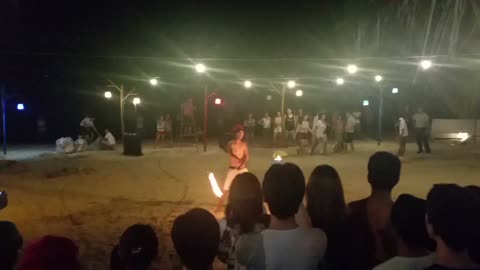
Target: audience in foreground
137 248
196 237
10 244
50 253
370 217
285 244
452 222
411 237
328 211
243 217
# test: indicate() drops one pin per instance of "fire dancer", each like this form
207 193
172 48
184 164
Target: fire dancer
238 152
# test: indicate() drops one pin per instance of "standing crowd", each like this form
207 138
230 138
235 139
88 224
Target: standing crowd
305 131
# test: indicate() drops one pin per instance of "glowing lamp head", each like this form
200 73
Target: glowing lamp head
340 81
108 94
463 136
352 69
247 84
200 68
395 90
20 107
136 101
291 84
378 78
299 93
425 64
218 101
366 102
153 81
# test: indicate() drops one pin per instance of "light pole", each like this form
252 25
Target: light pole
123 98
200 69
290 84
378 79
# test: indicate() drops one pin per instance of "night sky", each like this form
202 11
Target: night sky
55 56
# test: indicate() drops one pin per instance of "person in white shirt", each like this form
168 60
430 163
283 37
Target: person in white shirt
161 130
411 236
109 140
320 133
266 123
421 121
284 245
302 134
403 135
350 131
88 129
277 128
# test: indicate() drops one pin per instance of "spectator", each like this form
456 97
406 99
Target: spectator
196 237
475 248
328 211
11 244
3 199
244 215
266 123
452 222
50 253
370 217
410 232
250 124
285 245
109 141
137 249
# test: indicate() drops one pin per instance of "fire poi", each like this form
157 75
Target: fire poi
215 188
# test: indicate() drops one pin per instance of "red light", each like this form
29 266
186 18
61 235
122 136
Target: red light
218 101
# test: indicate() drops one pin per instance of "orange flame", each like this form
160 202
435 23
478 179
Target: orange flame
278 158
215 188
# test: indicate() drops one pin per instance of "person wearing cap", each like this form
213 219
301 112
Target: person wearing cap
237 150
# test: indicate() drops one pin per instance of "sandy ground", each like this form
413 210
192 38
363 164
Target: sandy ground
92 197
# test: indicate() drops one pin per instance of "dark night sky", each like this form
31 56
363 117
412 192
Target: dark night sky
56 55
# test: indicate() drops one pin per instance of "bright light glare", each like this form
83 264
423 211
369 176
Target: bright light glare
366 102
378 78
136 101
394 90
463 136
299 93
291 84
269 97
340 81
218 101
108 94
200 68
247 84
278 158
20 107
352 69
426 64
153 81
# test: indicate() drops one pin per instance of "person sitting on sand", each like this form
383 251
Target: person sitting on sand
109 141
196 237
136 250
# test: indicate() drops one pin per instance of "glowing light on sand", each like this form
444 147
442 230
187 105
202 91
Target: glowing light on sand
278 158
215 188
463 136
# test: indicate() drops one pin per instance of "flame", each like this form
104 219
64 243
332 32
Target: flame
463 136
215 188
278 158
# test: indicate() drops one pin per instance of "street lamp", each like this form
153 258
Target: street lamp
340 81
247 84
200 68
394 90
366 103
136 101
426 64
291 84
108 94
378 78
299 93
153 82
352 69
